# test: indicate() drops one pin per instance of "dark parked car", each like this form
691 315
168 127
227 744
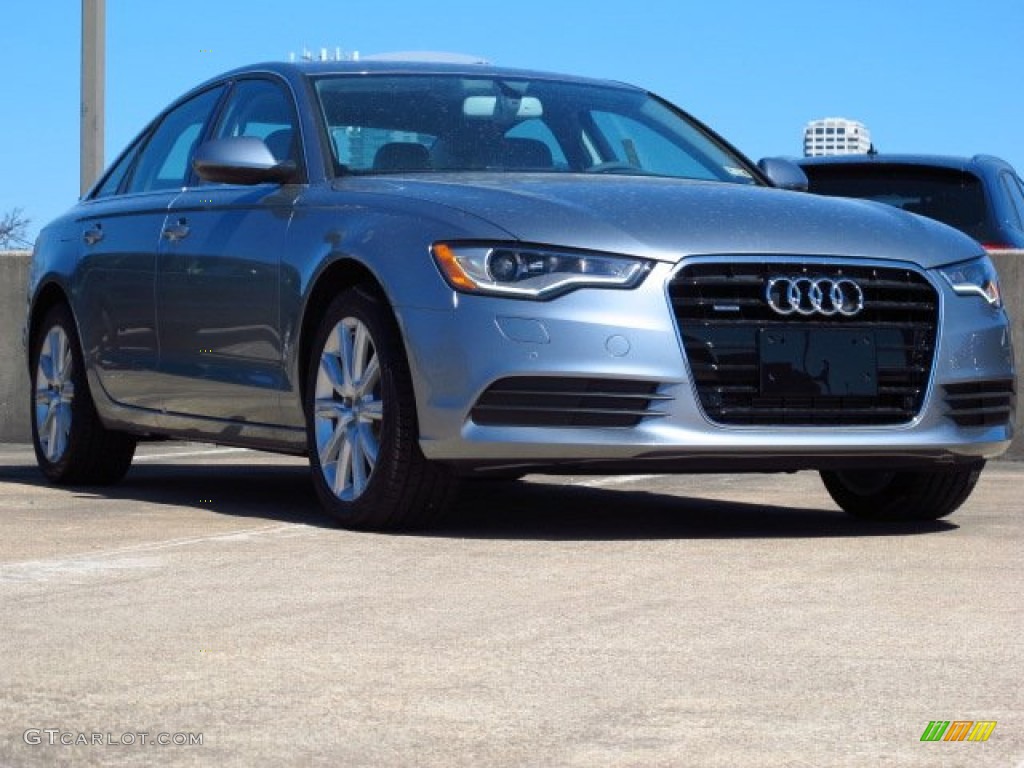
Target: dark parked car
981 195
415 273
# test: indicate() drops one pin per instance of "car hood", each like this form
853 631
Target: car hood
669 219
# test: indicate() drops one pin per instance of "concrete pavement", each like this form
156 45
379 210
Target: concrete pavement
619 621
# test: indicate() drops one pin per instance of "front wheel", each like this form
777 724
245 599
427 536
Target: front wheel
71 444
901 496
361 423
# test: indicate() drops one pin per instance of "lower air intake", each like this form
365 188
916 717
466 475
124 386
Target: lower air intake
981 403
538 401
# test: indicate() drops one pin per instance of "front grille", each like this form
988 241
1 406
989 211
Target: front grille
723 316
981 403
538 401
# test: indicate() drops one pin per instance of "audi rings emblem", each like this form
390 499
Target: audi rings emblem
803 295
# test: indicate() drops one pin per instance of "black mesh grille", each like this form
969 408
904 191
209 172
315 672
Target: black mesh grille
981 403
537 401
723 317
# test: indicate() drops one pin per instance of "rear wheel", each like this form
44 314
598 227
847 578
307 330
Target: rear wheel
367 466
901 496
71 444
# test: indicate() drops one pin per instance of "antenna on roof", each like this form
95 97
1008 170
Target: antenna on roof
325 54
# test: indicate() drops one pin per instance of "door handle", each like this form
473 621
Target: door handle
93 235
177 231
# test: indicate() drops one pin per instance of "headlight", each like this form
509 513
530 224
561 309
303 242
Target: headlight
529 272
974 278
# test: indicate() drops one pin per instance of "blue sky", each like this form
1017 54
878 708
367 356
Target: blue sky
940 76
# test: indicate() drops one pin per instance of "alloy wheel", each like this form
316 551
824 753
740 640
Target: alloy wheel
348 409
54 394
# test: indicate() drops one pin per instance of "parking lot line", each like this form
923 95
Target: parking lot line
187 454
604 482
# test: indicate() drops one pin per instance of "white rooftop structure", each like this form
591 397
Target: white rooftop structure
836 136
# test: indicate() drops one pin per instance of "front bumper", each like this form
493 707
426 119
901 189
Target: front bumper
631 335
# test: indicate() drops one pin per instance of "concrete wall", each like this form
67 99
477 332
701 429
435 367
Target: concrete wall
14 384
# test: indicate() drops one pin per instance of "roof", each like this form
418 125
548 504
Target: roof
952 162
467 68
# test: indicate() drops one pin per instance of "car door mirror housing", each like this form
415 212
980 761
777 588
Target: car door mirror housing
240 160
784 173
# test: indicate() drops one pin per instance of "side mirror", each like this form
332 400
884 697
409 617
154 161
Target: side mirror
783 173
240 160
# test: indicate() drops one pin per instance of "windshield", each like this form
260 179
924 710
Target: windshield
953 197
403 123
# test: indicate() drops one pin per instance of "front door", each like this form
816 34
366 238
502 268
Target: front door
218 275
217 303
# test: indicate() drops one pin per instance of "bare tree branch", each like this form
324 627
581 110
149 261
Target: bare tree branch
13 225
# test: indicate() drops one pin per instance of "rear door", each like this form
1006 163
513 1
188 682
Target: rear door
119 238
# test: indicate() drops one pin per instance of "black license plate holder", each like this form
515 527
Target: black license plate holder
818 362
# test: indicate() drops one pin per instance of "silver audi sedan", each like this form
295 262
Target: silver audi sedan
417 273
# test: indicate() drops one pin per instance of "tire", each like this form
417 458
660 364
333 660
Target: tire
901 496
72 446
361 426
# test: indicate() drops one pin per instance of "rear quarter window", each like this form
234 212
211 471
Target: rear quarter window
1016 194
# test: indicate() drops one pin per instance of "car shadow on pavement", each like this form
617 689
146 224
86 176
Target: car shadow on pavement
524 510
266 491
489 510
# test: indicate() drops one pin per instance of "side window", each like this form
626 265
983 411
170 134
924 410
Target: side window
1013 187
165 161
112 183
263 109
